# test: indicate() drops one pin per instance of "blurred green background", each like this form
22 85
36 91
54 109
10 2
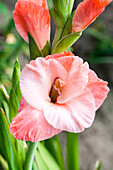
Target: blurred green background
96 47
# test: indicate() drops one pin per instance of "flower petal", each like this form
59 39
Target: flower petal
98 88
73 116
86 13
30 124
76 82
37 78
60 116
42 3
66 59
32 18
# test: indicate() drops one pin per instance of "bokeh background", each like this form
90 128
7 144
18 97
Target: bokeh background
94 46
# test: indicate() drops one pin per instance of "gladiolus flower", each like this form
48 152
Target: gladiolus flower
86 12
33 16
59 93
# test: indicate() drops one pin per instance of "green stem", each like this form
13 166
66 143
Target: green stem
72 151
30 155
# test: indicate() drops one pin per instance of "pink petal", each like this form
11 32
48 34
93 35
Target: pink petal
66 59
42 3
37 78
98 88
30 124
76 82
86 12
32 18
56 56
73 116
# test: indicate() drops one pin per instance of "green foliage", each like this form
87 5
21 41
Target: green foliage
47 158
15 93
103 49
53 146
7 144
3 162
4 10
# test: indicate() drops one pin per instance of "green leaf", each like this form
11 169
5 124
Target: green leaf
40 162
66 42
53 146
5 101
20 150
3 94
4 10
98 165
72 151
6 109
7 145
33 48
15 93
46 49
47 158
3 163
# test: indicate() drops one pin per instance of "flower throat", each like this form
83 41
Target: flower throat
56 89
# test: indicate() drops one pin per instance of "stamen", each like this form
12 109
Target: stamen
56 89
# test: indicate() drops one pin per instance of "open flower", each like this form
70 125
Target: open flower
59 93
86 12
33 16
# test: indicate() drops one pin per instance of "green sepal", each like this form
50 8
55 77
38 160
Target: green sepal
66 42
50 6
47 157
33 48
72 151
54 147
7 144
68 27
61 12
15 93
46 49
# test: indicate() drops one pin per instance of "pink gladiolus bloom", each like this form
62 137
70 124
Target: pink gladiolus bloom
59 93
33 16
86 12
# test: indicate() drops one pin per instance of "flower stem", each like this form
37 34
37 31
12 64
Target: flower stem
30 155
